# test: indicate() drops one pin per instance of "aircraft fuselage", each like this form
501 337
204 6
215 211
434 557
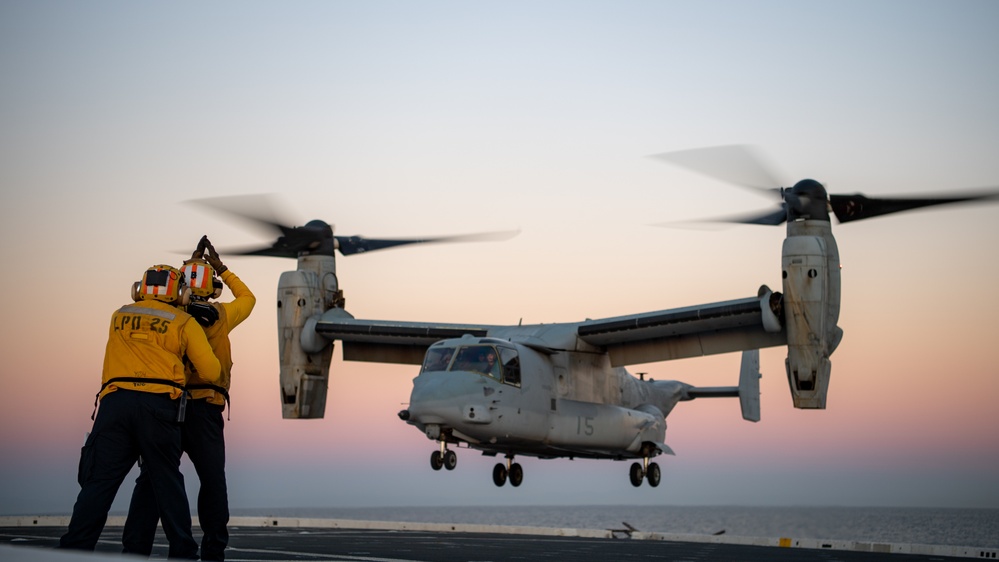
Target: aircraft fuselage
545 404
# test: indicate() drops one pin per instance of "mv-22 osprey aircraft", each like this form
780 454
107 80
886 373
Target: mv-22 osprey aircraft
561 390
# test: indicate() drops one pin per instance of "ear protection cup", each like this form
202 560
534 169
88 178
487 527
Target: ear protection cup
184 296
135 291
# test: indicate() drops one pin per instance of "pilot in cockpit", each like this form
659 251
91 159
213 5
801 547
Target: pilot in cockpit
445 360
490 366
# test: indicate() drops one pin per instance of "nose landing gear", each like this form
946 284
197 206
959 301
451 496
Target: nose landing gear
443 458
511 469
645 471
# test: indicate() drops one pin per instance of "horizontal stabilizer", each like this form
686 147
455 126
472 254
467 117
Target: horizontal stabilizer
748 390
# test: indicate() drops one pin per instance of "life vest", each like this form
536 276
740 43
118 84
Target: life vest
218 337
145 349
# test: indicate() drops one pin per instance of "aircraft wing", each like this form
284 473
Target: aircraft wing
386 341
647 337
691 331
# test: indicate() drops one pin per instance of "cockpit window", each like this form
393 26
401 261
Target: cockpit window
437 359
511 365
478 358
502 363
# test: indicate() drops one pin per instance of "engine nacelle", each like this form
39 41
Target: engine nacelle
811 272
302 295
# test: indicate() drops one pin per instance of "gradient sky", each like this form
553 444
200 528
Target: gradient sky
434 118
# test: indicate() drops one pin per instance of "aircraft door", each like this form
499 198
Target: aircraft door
524 402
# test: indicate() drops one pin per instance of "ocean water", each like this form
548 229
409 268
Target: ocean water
959 527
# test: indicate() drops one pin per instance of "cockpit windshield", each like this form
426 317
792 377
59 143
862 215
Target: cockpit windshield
478 358
437 359
497 362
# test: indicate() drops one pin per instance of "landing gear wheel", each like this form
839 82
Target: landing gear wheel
516 474
436 460
499 474
636 474
450 460
653 474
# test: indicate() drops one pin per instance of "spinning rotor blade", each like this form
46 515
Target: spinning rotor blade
808 199
768 218
349 245
857 207
736 164
284 247
316 237
259 211
739 165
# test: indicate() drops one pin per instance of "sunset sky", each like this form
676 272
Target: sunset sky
399 119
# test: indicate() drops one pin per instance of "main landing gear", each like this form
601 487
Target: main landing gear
645 471
511 469
444 457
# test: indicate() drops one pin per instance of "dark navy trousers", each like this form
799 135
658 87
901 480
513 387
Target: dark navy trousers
128 425
204 443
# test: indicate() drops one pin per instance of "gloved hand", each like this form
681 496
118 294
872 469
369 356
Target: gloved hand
199 254
213 259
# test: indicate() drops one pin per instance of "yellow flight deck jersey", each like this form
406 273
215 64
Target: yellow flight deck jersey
231 314
149 340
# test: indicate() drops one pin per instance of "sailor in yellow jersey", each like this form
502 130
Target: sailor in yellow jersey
203 438
142 407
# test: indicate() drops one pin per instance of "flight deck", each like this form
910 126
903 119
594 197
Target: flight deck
263 539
